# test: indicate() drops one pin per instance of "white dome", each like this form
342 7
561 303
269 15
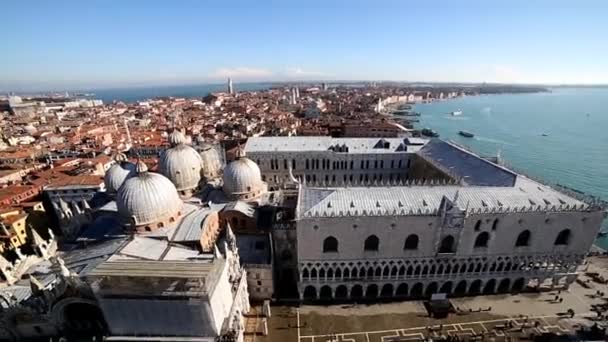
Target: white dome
242 179
176 137
182 165
212 161
148 198
117 174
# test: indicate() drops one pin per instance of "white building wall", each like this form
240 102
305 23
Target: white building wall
392 266
260 281
221 299
332 167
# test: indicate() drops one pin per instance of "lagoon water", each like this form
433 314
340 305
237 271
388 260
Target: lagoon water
574 152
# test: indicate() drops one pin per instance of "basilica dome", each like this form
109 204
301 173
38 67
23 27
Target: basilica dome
212 161
118 173
181 164
148 200
242 178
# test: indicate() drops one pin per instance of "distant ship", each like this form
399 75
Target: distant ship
456 112
545 134
466 134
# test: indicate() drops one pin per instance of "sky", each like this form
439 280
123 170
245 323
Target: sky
55 45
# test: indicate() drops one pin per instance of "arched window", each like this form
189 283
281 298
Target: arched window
330 244
478 225
482 240
563 238
495 224
447 245
523 239
411 242
371 243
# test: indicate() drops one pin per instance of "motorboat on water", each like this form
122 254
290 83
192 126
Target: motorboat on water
466 134
427 132
545 134
456 113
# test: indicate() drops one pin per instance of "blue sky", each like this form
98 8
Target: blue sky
88 44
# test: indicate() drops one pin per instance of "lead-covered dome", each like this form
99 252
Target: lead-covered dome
212 161
181 164
148 200
242 178
118 173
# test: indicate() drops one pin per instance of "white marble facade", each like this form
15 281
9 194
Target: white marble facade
414 255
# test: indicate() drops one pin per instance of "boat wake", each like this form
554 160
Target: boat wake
456 118
493 141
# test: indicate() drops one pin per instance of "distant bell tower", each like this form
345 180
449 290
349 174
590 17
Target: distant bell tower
230 89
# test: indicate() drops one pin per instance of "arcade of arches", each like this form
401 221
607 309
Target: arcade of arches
417 278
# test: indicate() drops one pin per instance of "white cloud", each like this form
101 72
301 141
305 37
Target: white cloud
296 72
242 73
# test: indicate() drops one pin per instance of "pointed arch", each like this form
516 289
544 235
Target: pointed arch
425 270
410 270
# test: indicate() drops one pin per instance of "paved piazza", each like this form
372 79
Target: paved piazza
512 317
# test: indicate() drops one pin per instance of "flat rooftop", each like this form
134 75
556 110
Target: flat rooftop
464 165
325 143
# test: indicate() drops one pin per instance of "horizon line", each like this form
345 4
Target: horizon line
216 83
